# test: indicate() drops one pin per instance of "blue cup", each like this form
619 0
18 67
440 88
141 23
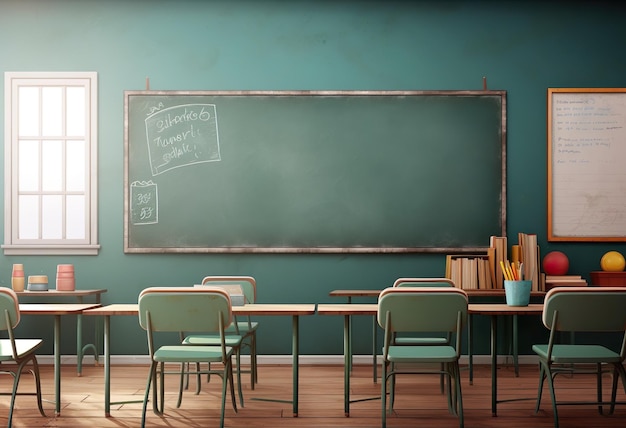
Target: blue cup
517 292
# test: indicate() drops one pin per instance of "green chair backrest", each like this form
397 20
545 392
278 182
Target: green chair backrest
189 309
423 282
586 309
422 309
8 303
247 283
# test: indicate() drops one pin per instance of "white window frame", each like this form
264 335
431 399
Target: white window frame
12 244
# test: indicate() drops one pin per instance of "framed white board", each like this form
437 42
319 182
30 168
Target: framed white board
587 164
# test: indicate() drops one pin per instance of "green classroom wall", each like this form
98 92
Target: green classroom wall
521 47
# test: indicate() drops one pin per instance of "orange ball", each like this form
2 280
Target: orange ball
612 262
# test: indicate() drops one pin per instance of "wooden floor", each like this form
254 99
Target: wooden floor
419 402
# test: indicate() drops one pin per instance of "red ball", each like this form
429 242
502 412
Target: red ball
555 263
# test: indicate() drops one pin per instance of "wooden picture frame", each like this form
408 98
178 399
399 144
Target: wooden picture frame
586 164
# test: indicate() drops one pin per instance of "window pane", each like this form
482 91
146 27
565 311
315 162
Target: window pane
52 217
52 165
28 111
28 166
28 214
52 111
75 217
75 166
75 111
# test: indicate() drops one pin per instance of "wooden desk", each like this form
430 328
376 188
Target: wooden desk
79 295
57 310
349 294
491 309
285 309
494 310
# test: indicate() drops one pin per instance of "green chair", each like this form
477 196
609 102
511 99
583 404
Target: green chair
582 309
422 340
418 310
166 310
247 328
19 351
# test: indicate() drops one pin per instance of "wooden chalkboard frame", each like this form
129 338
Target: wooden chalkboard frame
586 152
129 247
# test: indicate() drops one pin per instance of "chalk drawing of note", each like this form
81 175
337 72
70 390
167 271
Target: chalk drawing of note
144 203
182 135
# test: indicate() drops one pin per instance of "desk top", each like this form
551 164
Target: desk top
61 293
504 309
55 308
251 309
115 309
470 293
472 308
347 309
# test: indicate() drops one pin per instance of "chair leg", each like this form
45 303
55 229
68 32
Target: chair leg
253 360
183 374
239 390
451 394
458 396
392 387
618 371
383 395
542 376
229 372
16 381
151 379
442 379
550 378
599 387
162 388
37 376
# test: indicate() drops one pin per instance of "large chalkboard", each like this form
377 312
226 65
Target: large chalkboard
314 171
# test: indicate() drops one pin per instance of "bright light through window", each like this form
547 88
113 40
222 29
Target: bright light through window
50 163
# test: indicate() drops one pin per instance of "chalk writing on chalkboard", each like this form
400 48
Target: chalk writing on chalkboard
182 135
587 139
144 207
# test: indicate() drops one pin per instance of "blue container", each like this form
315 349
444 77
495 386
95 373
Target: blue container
517 292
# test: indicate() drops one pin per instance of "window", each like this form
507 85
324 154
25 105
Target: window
50 194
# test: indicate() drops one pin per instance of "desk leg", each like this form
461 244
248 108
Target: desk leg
470 348
494 364
296 360
347 356
79 342
79 345
57 364
374 346
107 366
515 348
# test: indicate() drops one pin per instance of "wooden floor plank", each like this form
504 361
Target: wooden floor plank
418 400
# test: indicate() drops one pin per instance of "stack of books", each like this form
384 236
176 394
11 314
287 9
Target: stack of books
529 255
552 281
470 271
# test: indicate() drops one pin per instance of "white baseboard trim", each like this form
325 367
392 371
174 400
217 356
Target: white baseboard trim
278 359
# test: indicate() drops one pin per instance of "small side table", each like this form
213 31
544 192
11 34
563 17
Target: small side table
79 295
608 279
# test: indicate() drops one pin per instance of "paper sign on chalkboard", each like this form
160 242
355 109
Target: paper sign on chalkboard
182 135
144 203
